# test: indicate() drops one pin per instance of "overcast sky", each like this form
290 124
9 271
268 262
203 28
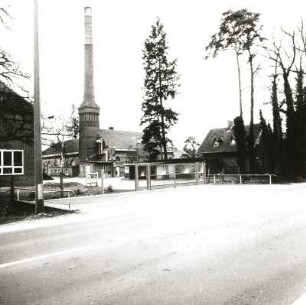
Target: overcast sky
208 95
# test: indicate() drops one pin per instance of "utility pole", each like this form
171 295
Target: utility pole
39 199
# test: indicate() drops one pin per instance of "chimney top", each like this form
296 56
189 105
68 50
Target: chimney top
87 11
89 99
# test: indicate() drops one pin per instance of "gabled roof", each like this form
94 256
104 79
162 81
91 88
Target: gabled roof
16 117
224 137
12 103
71 146
118 139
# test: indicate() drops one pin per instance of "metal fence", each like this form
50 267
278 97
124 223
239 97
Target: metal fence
240 178
28 195
151 176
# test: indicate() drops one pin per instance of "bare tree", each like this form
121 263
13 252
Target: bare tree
16 117
10 70
56 131
284 57
227 39
191 146
289 57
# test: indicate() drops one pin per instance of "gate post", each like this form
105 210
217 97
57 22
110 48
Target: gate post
136 178
148 177
102 180
197 173
174 175
204 172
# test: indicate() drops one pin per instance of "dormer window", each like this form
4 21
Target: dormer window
216 142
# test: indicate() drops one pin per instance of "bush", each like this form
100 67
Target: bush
110 189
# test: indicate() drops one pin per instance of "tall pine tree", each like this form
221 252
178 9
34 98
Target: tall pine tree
240 30
160 85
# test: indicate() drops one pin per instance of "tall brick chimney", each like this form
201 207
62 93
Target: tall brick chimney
88 111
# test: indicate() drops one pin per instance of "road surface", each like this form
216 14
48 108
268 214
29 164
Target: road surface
200 245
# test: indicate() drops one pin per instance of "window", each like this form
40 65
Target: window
216 142
232 141
101 146
11 162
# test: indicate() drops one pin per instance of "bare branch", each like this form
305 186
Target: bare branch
282 104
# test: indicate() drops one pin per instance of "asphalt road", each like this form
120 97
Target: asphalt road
191 245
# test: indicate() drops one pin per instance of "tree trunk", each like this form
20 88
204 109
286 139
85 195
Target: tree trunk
290 153
164 143
239 83
61 181
251 132
277 125
239 133
61 174
277 129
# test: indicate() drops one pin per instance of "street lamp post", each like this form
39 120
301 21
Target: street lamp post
39 200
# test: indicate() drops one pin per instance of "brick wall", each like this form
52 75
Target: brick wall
28 178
